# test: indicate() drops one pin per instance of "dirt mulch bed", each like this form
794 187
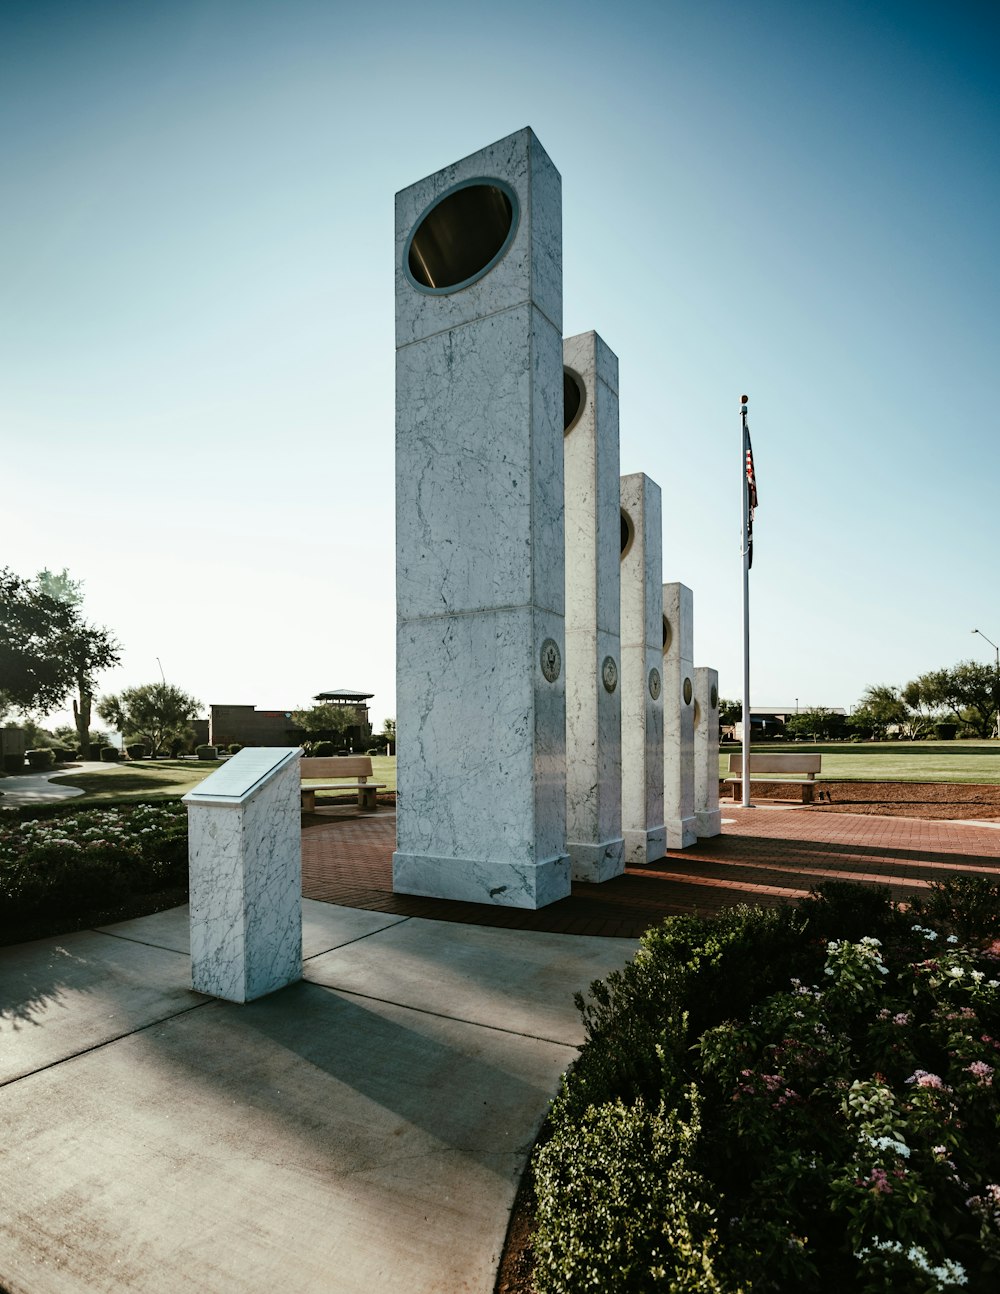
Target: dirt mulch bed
947 800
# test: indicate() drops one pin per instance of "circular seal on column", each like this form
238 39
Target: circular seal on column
714 697
551 659
609 674
654 684
688 691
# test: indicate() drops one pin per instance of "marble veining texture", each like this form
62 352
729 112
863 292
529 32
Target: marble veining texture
531 269
593 610
708 816
481 791
245 862
642 652
678 718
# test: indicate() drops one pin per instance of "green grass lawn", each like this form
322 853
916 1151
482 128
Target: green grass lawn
168 779
891 761
147 779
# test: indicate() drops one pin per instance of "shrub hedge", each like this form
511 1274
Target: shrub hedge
793 1099
64 863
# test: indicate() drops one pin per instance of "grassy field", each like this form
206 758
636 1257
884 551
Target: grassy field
168 779
892 761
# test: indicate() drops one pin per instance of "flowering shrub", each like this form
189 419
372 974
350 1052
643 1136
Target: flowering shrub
848 1118
90 858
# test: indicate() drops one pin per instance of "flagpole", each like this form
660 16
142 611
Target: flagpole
745 545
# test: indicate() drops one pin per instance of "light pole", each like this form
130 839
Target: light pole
997 650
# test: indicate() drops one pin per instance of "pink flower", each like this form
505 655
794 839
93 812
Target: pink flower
981 1072
924 1079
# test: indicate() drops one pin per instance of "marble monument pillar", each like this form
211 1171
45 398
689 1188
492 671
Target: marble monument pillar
480 706
678 716
245 864
641 543
593 610
708 816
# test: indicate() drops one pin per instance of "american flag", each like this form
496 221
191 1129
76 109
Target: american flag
751 498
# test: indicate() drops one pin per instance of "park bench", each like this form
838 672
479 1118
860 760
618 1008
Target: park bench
785 765
358 767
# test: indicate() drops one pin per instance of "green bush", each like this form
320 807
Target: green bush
38 760
235 748
825 1104
13 763
323 749
62 754
136 750
71 863
620 1206
946 731
206 752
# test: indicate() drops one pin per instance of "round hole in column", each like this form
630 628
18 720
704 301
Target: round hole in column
628 532
668 633
461 236
688 691
697 714
574 398
714 697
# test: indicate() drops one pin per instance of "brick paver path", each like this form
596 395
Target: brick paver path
764 856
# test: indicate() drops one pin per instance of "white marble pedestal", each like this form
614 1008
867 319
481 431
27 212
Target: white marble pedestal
641 543
245 862
593 611
678 716
708 816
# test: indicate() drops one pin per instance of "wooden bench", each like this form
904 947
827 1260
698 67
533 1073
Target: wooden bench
358 767
783 764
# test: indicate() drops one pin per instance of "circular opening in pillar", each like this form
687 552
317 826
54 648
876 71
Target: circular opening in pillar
668 634
628 532
688 691
697 714
714 697
574 398
461 236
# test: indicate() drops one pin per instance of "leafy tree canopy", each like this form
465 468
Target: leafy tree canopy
154 713
326 718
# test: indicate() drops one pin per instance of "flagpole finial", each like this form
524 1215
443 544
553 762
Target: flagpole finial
744 399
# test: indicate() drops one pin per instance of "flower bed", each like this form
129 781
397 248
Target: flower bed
787 1100
89 860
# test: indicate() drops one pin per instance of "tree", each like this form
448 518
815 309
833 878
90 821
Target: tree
153 713
48 650
970 691
389 729
818 723
85 648
880 710
922 710
327 721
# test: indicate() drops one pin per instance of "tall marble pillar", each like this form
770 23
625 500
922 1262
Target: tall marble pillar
678 716
593 610
480 575
708 816
245 865
641 542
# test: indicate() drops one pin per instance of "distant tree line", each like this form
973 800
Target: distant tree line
962 700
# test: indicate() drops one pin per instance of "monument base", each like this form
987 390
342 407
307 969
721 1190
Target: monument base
681 832
709 823
597 863
509 885
643 847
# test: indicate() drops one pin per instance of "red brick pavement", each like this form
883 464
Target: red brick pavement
764 856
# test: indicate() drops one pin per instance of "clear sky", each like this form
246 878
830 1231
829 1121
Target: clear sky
791 200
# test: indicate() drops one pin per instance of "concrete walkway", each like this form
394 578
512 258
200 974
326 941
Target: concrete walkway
36 788
363 1130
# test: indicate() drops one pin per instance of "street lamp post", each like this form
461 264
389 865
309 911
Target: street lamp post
997 650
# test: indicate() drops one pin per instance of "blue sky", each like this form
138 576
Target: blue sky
794 201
